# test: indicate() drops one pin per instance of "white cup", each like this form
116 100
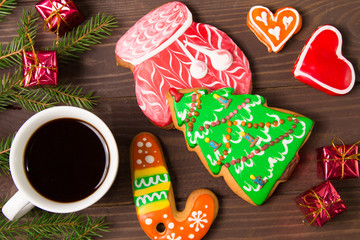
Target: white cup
27 197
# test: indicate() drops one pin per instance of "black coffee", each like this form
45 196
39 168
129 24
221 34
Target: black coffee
66 160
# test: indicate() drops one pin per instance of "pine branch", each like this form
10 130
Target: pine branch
11 55
71 96
7 85
32 99
88 228
3 202
38 99
4 154
44 225
81 38
6 8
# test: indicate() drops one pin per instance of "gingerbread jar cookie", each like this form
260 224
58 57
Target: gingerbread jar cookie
166 49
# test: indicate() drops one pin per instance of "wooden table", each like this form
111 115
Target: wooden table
279 217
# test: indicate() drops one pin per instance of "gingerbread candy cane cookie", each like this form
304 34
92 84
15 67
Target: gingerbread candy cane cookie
154 197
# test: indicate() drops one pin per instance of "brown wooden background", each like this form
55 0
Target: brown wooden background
279 217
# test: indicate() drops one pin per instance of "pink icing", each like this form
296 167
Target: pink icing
151 31
162 47
171 69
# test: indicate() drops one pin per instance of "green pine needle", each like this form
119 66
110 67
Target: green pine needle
81 38
32 99
41 98
44 225
11 55
3 202
6 8
7 85
4 154
71 96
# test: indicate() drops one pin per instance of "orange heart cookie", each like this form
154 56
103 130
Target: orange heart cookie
274 30
154 197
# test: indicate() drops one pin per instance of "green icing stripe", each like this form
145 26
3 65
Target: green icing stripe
149 198
142 183
268 164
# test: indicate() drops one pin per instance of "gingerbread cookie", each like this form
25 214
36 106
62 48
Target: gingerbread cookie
274 30
154 197
166 49
254 147
322 65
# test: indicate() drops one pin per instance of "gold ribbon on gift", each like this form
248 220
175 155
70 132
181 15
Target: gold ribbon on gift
56 13
343 154
317 210
34 66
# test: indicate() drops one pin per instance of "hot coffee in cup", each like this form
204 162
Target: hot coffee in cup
66 160
62 159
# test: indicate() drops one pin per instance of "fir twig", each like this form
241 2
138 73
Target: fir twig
6 8
3 202
11 54
81 38
71 96
4 154
38 99
88 228
44 225
32 99
7 85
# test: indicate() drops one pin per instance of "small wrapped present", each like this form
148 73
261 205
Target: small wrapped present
40 68
59 15
320 204
338 161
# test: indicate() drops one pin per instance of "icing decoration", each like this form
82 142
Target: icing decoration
154 198
276 134
274 30
222 100
166 49
258 180
322 65
176 94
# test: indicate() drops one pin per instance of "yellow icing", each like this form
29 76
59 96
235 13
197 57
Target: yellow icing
152 207
156 188
149 172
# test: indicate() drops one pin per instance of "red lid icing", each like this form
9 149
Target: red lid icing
176 94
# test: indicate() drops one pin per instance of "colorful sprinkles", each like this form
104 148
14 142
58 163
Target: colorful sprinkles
247 136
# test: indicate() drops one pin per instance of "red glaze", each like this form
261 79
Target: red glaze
322 65
176 94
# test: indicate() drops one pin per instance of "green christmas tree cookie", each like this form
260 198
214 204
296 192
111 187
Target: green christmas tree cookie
254 147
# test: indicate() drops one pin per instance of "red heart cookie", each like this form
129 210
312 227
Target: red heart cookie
322 65
274 30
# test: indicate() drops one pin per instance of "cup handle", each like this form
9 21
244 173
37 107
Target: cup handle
17 206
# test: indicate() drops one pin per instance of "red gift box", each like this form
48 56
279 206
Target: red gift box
40 68
338 162
320 204
59 15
